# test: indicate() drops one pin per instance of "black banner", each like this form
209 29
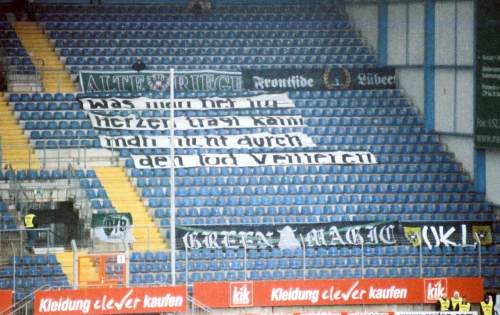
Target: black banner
487 124
159 81
293 236
289 236
319 79
447 234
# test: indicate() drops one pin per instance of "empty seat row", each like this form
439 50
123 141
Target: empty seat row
135 33
223 60
31 174
375 201
57 124
60 134
386 173
32 283
47 106
32 271
202 51
313 219
48 115
327 183
46 97
175 7
67 144
215 43
186 16
371 193
195 25
75 69
264 212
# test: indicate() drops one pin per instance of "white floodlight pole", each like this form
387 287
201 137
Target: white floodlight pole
172 178
478 242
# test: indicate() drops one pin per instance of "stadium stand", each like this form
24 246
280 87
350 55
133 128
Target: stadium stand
416 179
16 55
32 272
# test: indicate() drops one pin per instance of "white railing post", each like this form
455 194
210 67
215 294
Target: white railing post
478 242
420 254
245 260
304 269
359 239
14 268
127 263
74 248
172 176
187 267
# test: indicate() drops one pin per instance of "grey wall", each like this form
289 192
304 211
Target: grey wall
454 73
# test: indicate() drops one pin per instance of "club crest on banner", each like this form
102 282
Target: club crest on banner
412 234
288 239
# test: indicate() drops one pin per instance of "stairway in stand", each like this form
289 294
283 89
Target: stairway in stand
54 76
16 150
87 271
125 198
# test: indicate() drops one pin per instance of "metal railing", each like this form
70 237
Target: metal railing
142 238
360 269
196 307
25 305
27 195
29 77
45 241
54 156
243 263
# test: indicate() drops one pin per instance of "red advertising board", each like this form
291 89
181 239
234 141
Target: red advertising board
112 300
342 313
334 292
5 300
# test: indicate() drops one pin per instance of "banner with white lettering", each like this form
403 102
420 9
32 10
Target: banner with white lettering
254 159
319 79
247 141
131 122
448 233
159 81
277 293
290 236
262 101
137 300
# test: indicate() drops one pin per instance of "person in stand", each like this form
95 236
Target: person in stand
455 300
138 65
3 84
464 305
443 304
487 306
29 7
30 223
199 7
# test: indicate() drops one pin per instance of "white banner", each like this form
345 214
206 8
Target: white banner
251 102
131 122
112 227
249 141
254 159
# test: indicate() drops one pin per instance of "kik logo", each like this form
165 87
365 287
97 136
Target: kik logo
241 293
435 288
